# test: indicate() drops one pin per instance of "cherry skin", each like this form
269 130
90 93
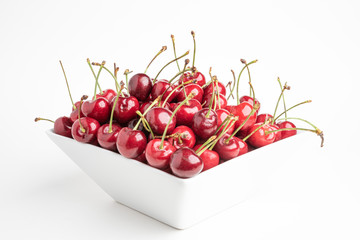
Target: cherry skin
204 127
74 113
141 158
156 157
125 109
242 111
260 138
261 118
186 112
198 76
108 94
131 143
91 127
250 100
186 135
229 150
132 123
209 89
191 88
140 86
207 101
98 109
277 134
210 158
158 118
185 163
160 87
286 133
222 115
108 140
62 126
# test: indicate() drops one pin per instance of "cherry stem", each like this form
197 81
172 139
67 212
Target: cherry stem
168 96
173 42
45 119
113 108
281 95
169 64
242 124
82 129
248 70
307 101
212 98
205 146
147 110
145 124
163 49
97 77
300 119
217 91
67 84
193 35
180 73
93 72
238 80
225 129
190 96
246 138
223 123
126 73
229 84
115 79
317 131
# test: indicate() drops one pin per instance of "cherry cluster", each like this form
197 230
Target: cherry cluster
183 125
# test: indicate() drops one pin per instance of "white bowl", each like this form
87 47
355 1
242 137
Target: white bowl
177 202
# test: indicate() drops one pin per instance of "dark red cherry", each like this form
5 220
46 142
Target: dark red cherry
250 100
186 137
160 87
98 109
210 158
141 158
108 140
132 123
185 114
156 157
243 110
158 118
88 132
131 143
74 113
222 114
286 133
207 101
208 90
191 88
198 76
230 149
108 94
145 106
261 118
140 86
204 126
185 163
62 126
260 138
125 109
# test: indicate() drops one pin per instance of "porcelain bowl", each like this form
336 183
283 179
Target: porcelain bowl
177 202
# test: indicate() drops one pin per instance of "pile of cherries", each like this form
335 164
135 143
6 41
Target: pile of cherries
183 125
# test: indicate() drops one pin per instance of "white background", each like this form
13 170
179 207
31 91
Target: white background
313 45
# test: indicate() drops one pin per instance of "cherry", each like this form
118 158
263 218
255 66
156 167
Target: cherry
194 76
277 134
243 110
210 158
98 109
131 143
223 114
158 118
286 133
132 123
230 147
74 113
85 130
140 86
185 114
162 87
108 94
219 104
107 139
125 109
185 163
191 88
159 156
205 123
250 100
62 125
183 136
209 88
261 118
258 136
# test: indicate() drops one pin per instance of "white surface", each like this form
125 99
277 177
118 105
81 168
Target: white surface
313 45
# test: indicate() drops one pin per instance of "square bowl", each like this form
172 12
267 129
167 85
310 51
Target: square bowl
177 202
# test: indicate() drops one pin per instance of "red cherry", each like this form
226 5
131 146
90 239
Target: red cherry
108 140
185 163
191 88
260 138
243 110
277 134
156 157
261 118
198 76
205 126
286 133
141 158
74 113
108 94
185 114
209 89
160 87
140 86
230 149
125 109
132 123
88 132
131 143
207 101
250 100
62 126
98 109
158 118
210 158
222 114
186 135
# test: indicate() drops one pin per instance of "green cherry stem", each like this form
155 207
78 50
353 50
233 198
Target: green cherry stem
169 64
223 123
193 35
229 84
145 124
173 42
156 101
67 85
307 101
82 129
172 92
97 76
126 73
205 144
114 77
283 96
317 131
217 91
44 119
246 138
179 73
190 96
300 119
113 108
278 101
228 125
92 70
212 99
163 49
238 80
248 70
